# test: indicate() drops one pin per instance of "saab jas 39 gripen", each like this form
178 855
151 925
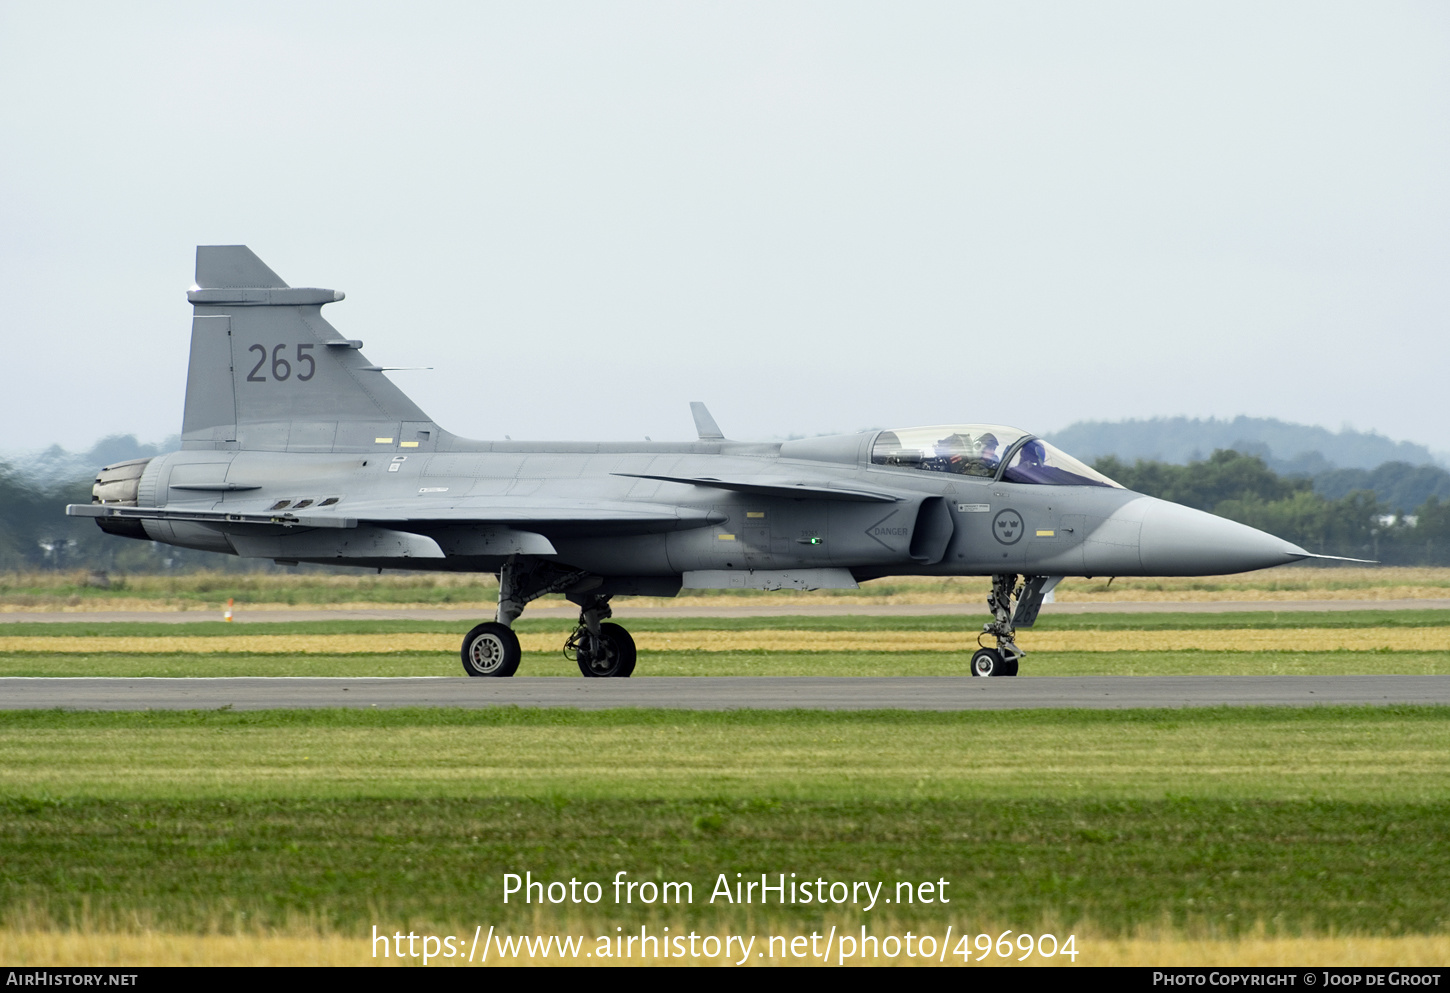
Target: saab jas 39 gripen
296 448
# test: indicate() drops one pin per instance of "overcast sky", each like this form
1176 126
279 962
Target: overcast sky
815 217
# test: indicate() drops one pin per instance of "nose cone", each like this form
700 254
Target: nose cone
1178 541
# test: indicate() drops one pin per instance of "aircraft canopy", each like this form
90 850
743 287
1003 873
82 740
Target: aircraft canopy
989 451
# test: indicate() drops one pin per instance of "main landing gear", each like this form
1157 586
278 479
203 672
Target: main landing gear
491 650
1002 660
600 649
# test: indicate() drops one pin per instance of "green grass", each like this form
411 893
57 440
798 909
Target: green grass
436 865
1315 820
736 663
1337 753
1352 754
1247 620
1212 821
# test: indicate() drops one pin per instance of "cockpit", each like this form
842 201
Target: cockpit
987 451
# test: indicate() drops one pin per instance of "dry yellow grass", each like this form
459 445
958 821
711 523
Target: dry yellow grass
213 611
158 948
1429 639
362 592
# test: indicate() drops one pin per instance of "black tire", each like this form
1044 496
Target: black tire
617 658
491 650
989 662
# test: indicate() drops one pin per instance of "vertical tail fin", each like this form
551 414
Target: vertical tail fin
268 373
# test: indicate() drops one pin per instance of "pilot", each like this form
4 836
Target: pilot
983 457
987 456
949 454
1030 464
1033 467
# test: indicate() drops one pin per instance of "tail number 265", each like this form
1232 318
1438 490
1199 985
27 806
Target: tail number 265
281 368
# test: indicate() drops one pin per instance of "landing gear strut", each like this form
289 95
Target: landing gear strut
600 649
1002 660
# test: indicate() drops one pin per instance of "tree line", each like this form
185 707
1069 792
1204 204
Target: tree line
35 534
1359 523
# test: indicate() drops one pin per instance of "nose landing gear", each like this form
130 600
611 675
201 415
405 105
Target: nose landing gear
991 662
1003 660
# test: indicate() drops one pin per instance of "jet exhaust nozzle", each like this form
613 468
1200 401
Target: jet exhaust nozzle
118 485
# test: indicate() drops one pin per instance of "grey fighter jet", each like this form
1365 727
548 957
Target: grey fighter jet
296 448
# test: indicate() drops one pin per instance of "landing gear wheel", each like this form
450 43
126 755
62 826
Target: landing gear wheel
616 655
989 662
491 650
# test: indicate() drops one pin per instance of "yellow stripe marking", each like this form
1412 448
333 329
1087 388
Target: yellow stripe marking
382 441
407 444
1296 639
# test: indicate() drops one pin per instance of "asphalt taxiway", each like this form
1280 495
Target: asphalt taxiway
719 693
